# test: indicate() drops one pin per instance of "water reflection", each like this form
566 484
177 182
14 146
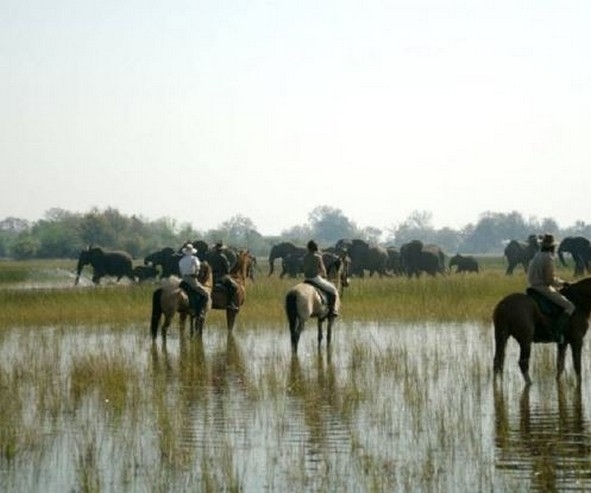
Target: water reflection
547 442
317 409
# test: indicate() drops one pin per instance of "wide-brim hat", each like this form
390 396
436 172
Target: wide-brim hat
548 241
189 249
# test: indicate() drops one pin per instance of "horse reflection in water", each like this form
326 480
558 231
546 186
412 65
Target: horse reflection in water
316 393
547 446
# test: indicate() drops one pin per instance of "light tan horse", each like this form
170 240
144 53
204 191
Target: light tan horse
240 272
171 298
304 301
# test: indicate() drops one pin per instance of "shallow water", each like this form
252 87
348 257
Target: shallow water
389 408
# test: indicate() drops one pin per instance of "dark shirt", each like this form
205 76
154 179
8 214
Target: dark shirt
220 265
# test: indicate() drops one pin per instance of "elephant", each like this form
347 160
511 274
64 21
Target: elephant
104 263
292 265
373 258
281 250
415 257
144 272
463 264
393 264
167 259
579 248
521 253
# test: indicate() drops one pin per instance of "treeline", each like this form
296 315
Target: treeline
63 234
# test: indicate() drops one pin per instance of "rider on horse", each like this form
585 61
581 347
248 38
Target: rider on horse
315 273
541 277
189 267
221 274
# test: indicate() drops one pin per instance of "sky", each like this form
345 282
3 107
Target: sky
200 111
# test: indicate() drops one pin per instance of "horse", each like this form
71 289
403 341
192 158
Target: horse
303 301
239 272
520 316
171 298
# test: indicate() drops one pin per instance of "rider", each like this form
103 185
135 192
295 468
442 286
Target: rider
189 266
315 271
541 276
221 274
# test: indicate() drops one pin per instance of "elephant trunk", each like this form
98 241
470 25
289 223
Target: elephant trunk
561 257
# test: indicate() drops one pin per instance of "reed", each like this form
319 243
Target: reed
455 297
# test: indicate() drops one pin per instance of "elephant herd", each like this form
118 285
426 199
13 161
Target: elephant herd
411 259
578 247
159 264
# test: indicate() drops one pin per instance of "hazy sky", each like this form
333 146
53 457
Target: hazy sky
202 110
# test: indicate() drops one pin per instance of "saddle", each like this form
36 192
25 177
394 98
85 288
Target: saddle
550 309
321 292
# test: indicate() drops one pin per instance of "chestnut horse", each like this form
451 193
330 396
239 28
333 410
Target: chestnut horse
518 315
171 298
303 301
239 272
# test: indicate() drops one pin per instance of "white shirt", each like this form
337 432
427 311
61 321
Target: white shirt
189 265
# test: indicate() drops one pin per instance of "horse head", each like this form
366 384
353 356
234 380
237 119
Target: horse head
580 294
241 268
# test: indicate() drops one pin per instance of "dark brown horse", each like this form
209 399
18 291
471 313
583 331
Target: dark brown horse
518 315
171 299
239 272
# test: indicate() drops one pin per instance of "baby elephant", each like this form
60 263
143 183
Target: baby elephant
463 264
144 272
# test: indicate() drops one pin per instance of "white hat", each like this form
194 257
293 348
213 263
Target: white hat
188 249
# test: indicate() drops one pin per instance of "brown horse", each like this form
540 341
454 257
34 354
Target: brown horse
240 272
303 301
171 299
518 315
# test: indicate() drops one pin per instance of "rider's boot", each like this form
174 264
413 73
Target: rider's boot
331 300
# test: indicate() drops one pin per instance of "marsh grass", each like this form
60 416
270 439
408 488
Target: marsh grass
378 413
455 297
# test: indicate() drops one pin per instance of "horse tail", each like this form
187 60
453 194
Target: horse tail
291 310
156 312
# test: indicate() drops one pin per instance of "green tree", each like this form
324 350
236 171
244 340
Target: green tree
328 225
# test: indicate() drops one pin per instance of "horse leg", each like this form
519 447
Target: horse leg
165 325
524 354
329 331
319 332
560 358
295 330
501 338
182 322
576 347
230 319
156 313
